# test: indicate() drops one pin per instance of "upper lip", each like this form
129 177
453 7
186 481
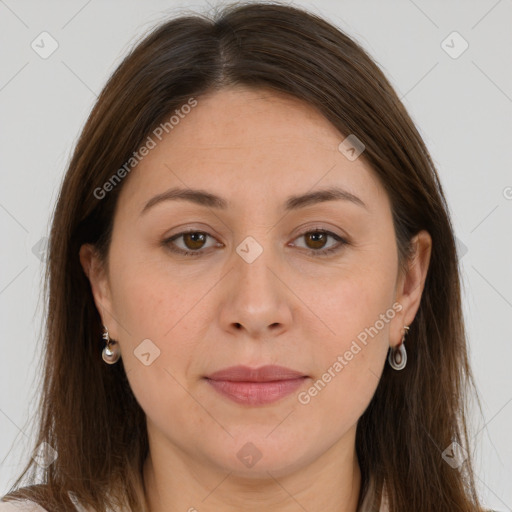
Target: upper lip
262 374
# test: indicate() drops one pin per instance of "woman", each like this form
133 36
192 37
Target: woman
253 287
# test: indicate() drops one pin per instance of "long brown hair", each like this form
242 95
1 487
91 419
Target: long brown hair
88 413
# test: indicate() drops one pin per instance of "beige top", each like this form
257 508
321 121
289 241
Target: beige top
30 506
21 506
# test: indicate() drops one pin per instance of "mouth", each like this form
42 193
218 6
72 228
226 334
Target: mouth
256 386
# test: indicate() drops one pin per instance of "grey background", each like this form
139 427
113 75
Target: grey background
462 107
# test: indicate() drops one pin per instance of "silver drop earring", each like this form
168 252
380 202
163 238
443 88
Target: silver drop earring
111 353
397 357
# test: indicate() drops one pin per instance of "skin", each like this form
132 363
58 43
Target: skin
288 307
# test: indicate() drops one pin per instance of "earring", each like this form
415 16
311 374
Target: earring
397 358
111 353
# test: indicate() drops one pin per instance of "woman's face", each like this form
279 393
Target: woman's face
256 289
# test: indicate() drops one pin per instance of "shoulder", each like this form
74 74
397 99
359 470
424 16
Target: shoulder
20 506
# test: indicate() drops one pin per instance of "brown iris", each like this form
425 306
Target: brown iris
318 237
196 238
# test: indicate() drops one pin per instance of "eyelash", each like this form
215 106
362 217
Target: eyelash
312 252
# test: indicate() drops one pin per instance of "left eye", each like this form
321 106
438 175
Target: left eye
318 238
195 240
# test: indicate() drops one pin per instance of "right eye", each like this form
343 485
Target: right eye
193 240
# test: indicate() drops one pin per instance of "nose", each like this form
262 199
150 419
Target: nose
257 298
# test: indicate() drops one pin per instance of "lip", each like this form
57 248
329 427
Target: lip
256 386
262 374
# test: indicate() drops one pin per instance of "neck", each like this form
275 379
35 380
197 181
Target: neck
175 481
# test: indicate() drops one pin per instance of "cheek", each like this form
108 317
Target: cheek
145 301
358 311
159 317
349 364
157 347
357 306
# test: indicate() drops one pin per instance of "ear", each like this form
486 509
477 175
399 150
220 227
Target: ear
100 286
410 285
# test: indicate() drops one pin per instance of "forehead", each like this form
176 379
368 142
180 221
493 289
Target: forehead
251 142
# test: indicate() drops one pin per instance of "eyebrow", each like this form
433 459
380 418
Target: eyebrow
204 198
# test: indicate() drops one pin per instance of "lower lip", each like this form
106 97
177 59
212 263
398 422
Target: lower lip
256 393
